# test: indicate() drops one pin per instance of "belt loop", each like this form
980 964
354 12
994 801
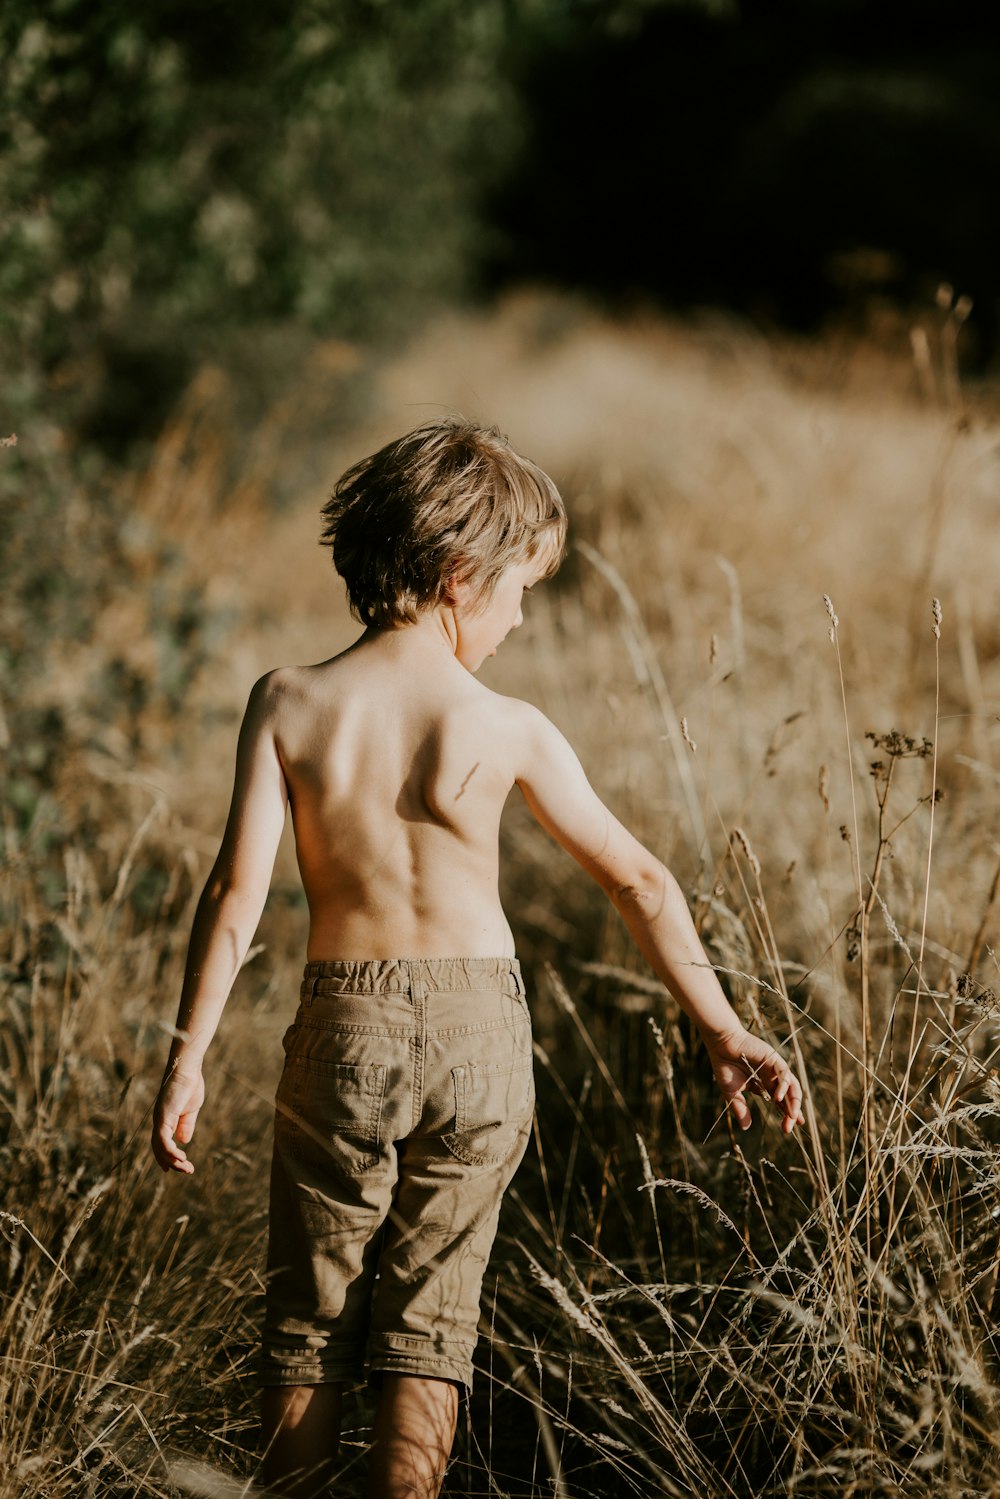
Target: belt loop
416 979
310 989
515 969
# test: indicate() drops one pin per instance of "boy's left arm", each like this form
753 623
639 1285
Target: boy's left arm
652 905
225 921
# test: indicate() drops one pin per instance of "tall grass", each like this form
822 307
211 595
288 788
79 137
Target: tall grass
673 1307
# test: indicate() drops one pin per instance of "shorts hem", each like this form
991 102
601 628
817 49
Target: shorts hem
458 1371
351 1373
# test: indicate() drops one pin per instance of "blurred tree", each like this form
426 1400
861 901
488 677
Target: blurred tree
174 165
176 168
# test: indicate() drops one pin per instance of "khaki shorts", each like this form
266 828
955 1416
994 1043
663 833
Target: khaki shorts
403 1110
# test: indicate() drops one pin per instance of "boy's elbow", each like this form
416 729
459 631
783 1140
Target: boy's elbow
643 887
223 891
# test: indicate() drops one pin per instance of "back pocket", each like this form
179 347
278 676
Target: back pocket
493 1102
333 1112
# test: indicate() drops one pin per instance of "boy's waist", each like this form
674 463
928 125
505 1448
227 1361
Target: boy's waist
411 976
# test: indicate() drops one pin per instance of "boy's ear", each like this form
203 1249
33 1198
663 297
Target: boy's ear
458 590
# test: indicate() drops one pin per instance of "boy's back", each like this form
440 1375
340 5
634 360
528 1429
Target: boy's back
397 764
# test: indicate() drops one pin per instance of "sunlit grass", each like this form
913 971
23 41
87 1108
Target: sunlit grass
673 1307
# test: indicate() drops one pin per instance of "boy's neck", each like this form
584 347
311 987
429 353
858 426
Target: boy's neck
433 633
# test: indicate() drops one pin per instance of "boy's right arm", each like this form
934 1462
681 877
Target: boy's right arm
652 905
225 921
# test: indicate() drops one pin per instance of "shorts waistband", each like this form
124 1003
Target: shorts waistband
408 975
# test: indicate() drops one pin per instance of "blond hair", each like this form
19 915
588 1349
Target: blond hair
450 500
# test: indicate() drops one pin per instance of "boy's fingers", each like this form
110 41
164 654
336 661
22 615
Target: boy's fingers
741 1109
793 1096
177 1161
793 1111
785 1090
768 1076
168 1154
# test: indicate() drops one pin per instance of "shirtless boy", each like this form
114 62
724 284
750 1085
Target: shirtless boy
406 1098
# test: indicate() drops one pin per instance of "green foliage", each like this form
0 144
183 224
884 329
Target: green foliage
181 163
173 173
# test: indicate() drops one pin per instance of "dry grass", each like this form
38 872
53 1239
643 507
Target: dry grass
676 1310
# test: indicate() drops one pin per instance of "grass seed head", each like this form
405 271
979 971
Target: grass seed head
738 836
834 617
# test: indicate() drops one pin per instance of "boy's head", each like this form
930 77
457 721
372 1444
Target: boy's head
449 501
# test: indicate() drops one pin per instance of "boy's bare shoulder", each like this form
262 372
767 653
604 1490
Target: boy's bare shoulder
520 716
539 752
523 727
270 691
285 687
279 701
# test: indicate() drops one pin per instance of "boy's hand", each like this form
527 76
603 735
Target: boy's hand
743 1063
175 1112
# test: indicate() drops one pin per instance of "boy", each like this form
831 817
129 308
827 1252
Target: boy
406 1099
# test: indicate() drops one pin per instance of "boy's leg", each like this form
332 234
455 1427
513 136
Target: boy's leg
300 1431
414 1431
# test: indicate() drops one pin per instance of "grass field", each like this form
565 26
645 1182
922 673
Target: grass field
671 1310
